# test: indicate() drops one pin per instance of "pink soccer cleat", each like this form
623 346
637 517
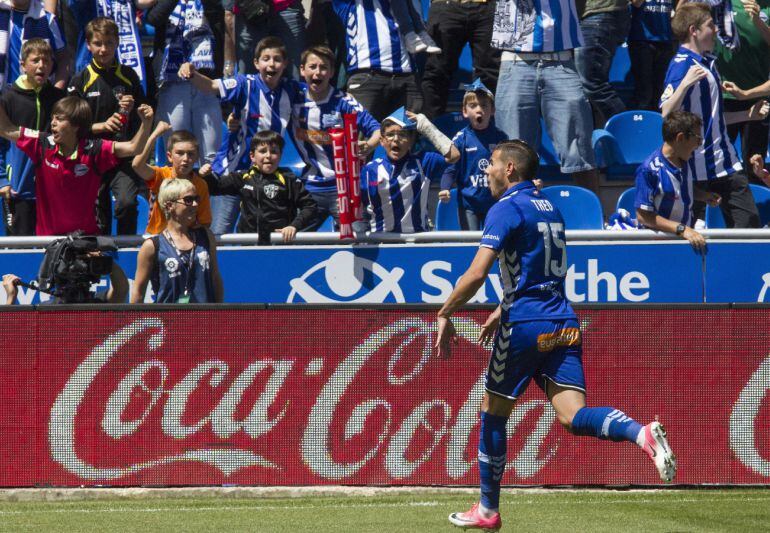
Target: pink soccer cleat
473 520
657 447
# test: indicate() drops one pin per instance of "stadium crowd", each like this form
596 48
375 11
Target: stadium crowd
105 100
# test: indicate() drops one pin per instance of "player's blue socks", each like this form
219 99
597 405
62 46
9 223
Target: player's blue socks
605 423
492 447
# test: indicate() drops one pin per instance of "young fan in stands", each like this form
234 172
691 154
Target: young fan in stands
28 103
395 188
475 143
69 165
261 101
112 91
272 199
182 152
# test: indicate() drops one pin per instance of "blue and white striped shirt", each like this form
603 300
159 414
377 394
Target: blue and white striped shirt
664 188
259 109
311 120
397 193
373 37
716 157
26 26
536 26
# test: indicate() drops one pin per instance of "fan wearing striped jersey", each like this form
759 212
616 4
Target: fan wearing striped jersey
536 332
395 187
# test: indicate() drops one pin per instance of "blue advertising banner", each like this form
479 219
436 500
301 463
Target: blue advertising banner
649 272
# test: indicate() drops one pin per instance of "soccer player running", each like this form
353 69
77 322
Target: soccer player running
537 334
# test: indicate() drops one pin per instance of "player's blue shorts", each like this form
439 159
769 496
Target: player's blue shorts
540 349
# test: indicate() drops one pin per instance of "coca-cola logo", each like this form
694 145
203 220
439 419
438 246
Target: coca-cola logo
402 432
744 417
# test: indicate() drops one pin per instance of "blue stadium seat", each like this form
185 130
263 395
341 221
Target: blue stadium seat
327 226
446 214
580 207
714 218
291 158
626 140
142 219
450 123
160 153
620 69
626 201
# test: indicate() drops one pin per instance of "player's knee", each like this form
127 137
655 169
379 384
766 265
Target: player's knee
565 419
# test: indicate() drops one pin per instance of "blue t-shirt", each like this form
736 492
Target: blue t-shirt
397 193
651 21
527 231
665 189
469 172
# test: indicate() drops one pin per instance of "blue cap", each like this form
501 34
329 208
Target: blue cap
399 118
478 87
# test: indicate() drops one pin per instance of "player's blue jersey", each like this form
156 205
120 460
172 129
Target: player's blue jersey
665 189
469 172
716 157
311 120
527 231
259 109
397 193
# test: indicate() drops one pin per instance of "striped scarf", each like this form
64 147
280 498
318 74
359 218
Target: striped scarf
35 11
130 49
188 38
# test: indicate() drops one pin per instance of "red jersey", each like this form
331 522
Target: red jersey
66 187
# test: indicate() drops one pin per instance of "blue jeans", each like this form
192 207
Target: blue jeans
602 34
288 25
186 108
327 206
224 212
533 89
470 220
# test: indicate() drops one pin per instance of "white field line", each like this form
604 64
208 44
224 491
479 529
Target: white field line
337 505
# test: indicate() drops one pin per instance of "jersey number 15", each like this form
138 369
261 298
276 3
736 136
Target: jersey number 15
553 237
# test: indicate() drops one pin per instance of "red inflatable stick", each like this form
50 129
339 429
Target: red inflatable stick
354 163
343 183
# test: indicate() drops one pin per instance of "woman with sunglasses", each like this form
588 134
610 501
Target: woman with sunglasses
180 262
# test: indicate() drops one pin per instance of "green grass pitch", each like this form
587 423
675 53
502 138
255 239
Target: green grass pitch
522 510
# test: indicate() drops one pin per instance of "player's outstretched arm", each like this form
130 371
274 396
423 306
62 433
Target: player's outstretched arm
468 284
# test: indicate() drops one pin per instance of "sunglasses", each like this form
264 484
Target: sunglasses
188 200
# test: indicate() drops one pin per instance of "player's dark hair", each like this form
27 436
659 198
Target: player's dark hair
686 15
270 43
681 122
523 157
181 136
267 137
76 111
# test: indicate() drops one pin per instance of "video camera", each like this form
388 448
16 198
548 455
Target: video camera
72 264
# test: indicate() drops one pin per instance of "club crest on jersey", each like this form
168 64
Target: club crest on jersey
331 120
80 170
271 190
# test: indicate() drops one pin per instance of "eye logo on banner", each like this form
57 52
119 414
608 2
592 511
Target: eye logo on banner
765 286
347 278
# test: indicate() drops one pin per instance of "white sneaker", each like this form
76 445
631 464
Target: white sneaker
657 447
414 44
431 46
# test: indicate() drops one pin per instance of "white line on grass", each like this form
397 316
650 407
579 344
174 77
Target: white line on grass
221 508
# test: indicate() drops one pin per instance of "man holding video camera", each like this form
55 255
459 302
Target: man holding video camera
70 266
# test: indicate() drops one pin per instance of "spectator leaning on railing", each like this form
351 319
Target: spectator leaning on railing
664 186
